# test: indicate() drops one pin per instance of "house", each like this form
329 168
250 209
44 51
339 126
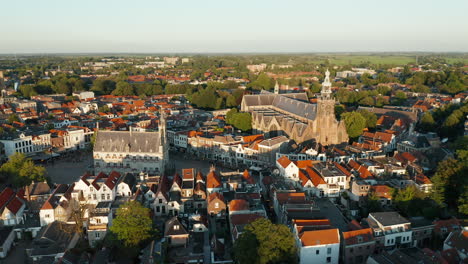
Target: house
59 205
213 181
176 233
7 236
384 193
98 221
319 246
289 204
161 200
11 207
216 204
390 229
357 246
101 187
53 241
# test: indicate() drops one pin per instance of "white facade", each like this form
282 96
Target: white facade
22 144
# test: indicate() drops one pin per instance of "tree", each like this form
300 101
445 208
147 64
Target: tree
123 88
450 182
231 101
427 122
354 122
339 109
371 118
21 171
132 224
265 242
263 82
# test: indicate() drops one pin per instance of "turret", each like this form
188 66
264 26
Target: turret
277 87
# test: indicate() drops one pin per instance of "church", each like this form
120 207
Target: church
293 115
132 151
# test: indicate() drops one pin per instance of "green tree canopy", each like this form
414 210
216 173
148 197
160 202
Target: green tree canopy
355 123
21 171
371 118
265 242
132 224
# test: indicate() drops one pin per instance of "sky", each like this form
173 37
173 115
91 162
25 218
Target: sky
236 26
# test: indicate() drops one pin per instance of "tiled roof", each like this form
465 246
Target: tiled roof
358 236
320 237
382 191
15 205
215 195
238 205
284 161
290 197
213 180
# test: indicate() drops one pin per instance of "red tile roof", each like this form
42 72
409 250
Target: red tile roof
358 236
320 237
15 205
382 191
238 205
284 161
213 180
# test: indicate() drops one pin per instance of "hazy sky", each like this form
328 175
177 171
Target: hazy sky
32 26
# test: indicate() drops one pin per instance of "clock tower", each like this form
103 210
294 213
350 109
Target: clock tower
325 102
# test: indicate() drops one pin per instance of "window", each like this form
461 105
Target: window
89 196
94 196
317 252
351 250
103 196
97 234
98 220
328 259
108 196
157 209
47 216
329 251
216 205
176 227
160 201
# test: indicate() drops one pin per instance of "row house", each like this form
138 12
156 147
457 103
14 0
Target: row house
11 208
316 178
385 140
41 142
182 194
98 221
357 246
317 243
59 205
242 213
285 203
390 230
104 187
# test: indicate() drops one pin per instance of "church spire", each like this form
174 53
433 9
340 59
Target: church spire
326 85
276 87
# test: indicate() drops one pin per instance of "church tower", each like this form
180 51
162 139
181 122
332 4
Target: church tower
163 142
277 88
325 102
